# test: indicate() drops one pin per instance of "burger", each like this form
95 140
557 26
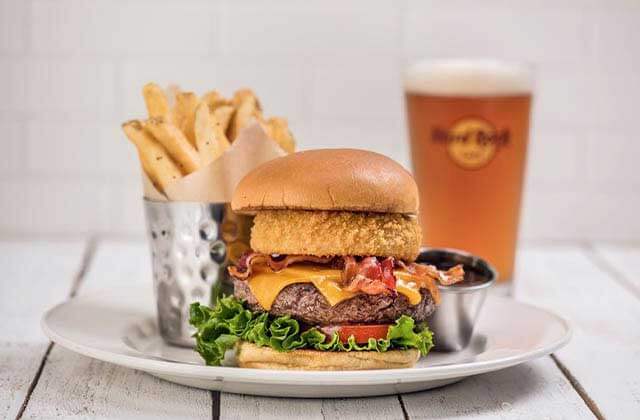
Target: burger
330 282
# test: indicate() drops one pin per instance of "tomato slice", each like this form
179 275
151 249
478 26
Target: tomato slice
361 333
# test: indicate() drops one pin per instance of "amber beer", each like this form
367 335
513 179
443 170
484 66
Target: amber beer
469 128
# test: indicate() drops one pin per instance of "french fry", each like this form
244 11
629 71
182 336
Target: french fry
156 101
278 129
172 91
179 148
155 160
215 100
247 107
220 132
223 115
210 139
243 95
184 133
184 113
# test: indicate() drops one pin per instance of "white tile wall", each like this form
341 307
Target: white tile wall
198 72
12 24
71 71
13 84
138 27
527 30
73 87
314 27
13 148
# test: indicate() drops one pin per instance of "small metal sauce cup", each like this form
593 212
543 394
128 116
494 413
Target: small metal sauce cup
454 319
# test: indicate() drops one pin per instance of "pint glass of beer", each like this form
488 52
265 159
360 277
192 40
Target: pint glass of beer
469 128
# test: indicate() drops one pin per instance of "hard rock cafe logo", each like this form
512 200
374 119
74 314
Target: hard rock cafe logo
471 142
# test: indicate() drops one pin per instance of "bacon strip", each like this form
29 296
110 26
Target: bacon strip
368 275
388 278
446 278
242 270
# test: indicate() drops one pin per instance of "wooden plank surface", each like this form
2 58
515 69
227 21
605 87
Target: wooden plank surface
621 261
76 386
118 264
248 407
33 277
535 390
603 357
604 354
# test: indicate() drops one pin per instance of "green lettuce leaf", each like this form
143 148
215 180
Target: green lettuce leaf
405 334
258 331
218 329
285 334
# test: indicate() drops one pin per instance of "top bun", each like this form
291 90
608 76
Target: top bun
328 179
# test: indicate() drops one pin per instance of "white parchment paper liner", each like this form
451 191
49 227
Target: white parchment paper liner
215 182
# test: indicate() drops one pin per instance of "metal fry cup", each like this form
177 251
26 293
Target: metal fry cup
454 320
191 246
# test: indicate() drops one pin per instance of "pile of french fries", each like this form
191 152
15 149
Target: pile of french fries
185 132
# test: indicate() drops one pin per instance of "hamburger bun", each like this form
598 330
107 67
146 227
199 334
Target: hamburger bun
251 356
326 233
328 179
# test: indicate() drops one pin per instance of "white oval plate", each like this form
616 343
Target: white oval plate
117 327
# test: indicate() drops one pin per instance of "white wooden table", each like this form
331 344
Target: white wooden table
596 286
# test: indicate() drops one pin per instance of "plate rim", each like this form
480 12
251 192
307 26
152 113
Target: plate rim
271 376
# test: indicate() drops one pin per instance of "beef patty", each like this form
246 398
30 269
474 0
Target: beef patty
305 303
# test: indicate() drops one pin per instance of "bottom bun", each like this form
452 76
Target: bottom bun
251 356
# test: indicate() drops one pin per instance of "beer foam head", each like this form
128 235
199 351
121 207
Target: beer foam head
468 78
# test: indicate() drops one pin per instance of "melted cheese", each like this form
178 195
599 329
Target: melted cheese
408 288
417 283
266 284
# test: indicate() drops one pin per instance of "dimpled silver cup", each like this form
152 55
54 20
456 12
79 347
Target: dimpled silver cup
190 246
454 320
